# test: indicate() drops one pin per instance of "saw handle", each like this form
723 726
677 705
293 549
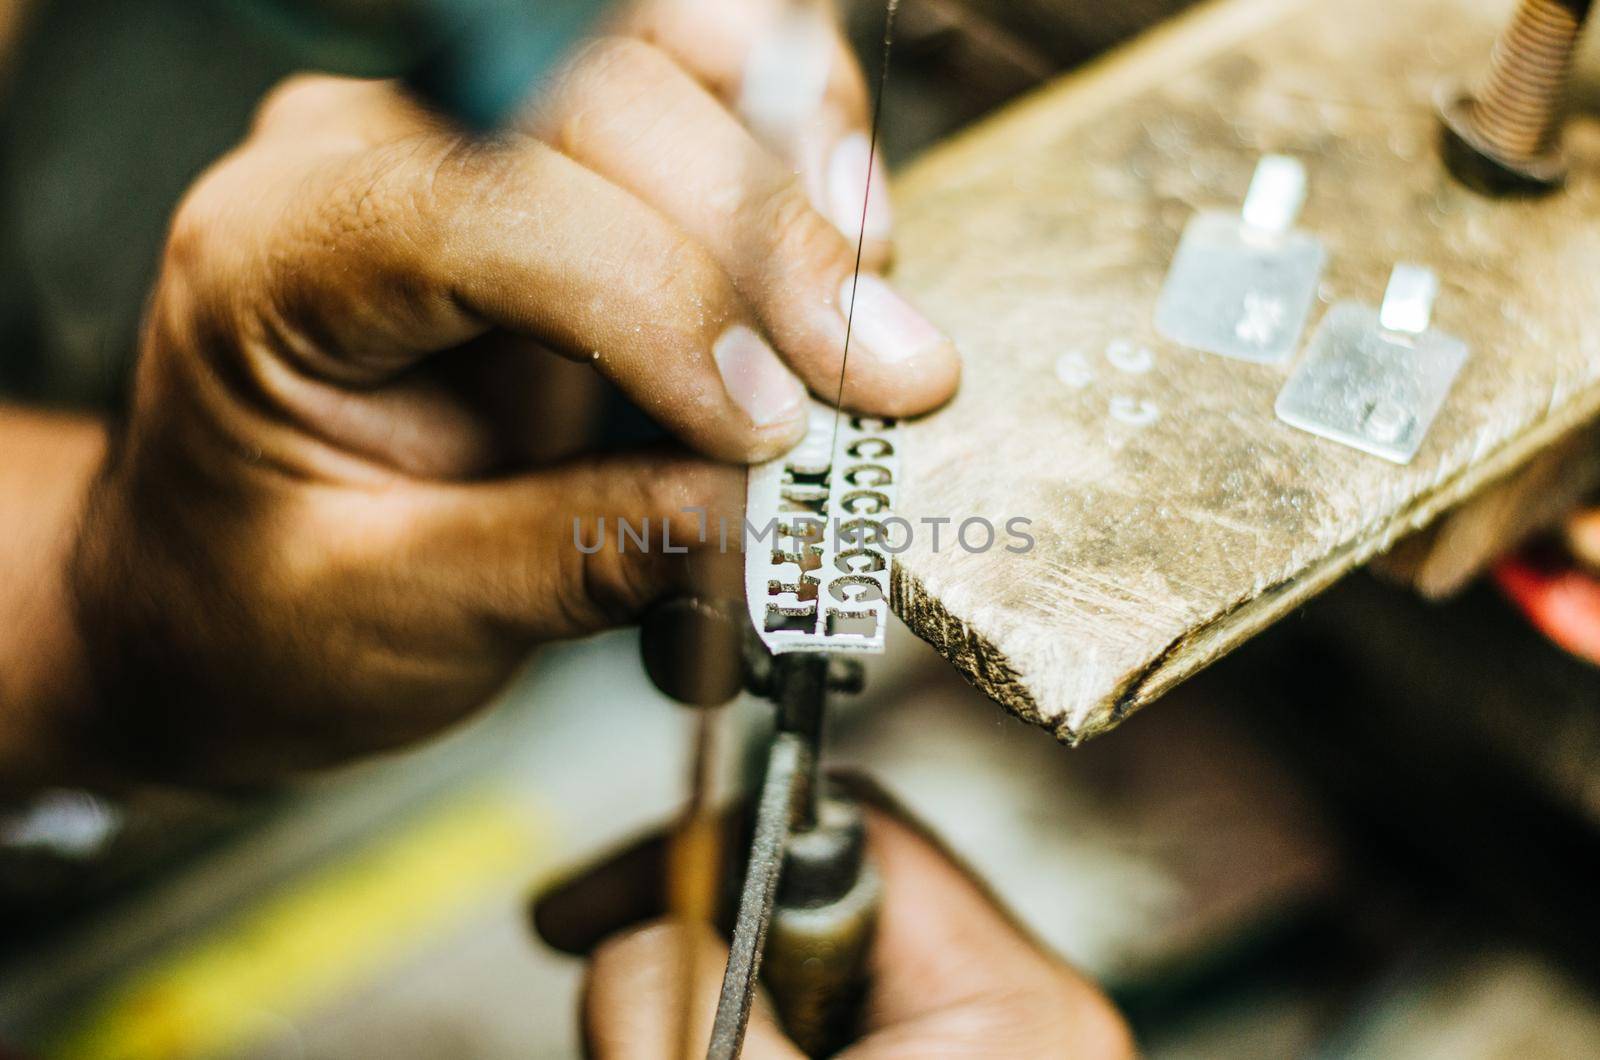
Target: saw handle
822 929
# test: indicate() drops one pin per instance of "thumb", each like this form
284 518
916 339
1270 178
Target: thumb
653 992
584 546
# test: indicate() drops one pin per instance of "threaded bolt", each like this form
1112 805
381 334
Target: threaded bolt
1507 138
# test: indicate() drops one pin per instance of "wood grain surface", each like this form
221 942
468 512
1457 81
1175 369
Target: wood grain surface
1174 515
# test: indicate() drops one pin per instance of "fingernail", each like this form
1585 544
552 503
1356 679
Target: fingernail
756 379
887 324
852 160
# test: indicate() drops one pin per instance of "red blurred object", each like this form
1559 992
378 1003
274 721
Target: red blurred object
1562 601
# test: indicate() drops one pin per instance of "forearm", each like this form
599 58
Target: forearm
47 463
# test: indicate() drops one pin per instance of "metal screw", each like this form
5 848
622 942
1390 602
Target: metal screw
846 676
1507 138
1386 421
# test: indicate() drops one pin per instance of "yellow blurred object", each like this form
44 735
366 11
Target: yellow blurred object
330 930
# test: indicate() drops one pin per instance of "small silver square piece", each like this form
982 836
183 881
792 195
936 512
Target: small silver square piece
1238 290
1369 387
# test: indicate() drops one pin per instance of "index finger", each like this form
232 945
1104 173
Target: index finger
787 70
392 239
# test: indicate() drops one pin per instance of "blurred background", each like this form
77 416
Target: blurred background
1374 832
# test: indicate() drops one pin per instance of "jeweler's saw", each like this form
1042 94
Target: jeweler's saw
817 579
818 595
817 563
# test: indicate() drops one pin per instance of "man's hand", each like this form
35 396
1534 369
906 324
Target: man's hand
322 532
952 976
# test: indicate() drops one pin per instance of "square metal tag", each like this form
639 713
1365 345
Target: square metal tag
1371 388
1238 290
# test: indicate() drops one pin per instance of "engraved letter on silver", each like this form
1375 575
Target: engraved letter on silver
823 585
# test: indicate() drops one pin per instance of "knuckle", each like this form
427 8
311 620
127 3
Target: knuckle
539 593
668 487
685 263
190 228
620 581
200 228
598 69
584 593
570 593
611 591
396 190
384 209
312 112
462 177
684 274
619 59
293 98
799 239
600 88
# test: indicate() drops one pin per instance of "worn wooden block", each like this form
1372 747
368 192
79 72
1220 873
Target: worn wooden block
1174 514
